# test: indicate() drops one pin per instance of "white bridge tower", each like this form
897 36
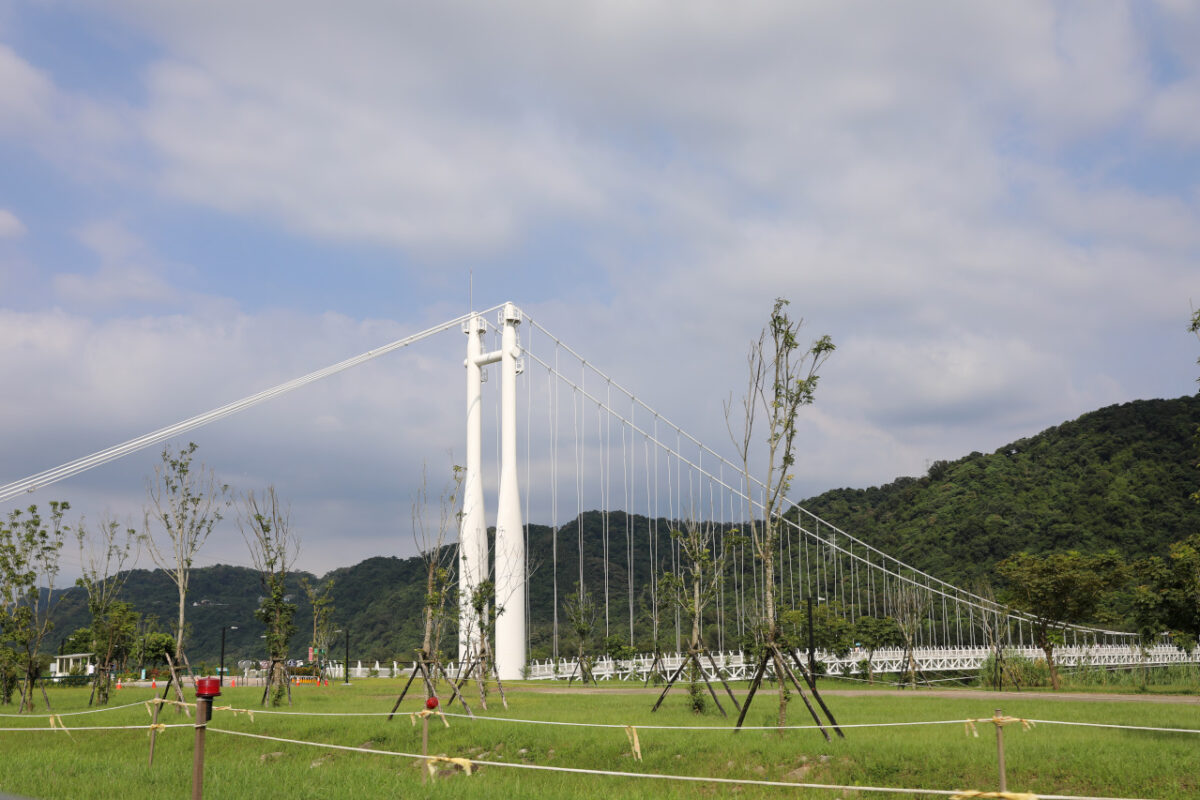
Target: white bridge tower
473 570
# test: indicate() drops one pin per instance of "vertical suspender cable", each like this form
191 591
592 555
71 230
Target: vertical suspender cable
604 468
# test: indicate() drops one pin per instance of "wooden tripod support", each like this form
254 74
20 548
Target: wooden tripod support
429 669
773 653
693 657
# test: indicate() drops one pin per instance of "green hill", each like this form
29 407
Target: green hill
1120 477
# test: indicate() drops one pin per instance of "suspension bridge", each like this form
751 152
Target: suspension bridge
577 445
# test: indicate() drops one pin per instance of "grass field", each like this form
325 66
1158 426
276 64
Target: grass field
1048 759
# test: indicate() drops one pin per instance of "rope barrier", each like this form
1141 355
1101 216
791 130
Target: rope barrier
951 793
73 713
723 728
414 716
158 726
1118 727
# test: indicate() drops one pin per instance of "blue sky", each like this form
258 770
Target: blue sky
993 210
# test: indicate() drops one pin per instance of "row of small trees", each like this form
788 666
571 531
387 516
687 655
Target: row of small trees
185 502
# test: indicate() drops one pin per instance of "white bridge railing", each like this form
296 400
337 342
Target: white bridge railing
736 666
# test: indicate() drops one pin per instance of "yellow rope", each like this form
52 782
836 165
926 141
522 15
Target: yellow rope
631 732
235 711
425 713
1026 724
158 701
56 722
156 727
431 763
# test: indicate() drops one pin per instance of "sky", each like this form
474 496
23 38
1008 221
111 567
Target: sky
992 208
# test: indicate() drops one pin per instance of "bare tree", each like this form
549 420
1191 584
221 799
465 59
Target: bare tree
266 526
438 558
782 379
105 557
440 592
185 504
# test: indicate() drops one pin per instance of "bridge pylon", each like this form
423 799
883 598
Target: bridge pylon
509 552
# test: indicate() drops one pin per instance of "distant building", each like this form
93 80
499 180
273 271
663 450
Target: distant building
69 662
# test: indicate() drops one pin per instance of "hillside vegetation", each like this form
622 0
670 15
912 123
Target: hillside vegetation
1118 478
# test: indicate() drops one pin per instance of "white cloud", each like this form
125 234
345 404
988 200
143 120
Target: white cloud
26 95
1174 111
10 226
127 272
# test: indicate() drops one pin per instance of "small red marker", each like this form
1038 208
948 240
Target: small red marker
431 703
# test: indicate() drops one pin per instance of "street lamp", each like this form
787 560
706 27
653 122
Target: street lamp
221 673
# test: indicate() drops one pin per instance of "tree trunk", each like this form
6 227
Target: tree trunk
1048 649
179 630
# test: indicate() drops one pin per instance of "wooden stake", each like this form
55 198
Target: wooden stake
1000 752
154 732
425 748
203 707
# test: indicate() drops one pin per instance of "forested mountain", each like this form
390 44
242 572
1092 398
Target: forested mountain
1120 478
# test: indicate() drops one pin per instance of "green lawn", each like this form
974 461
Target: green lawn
1047 759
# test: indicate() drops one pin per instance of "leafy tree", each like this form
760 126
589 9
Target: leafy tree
80 641
783 377
320 598
582 613
266 527
185 502
9 674
616 648
113 640
1058 589
103 555
153 648
874 633
1166 596
30 546
693 590
831 631
912 604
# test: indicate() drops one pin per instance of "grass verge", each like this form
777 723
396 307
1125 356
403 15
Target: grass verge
1049 759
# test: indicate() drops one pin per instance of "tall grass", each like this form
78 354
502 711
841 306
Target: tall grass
1046 759
1028 673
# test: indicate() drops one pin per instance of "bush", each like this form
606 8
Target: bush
1017 669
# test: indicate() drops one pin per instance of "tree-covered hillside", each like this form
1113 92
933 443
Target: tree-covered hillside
1120 477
